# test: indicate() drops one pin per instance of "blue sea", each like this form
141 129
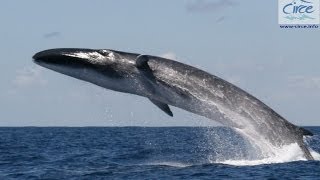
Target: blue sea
145 153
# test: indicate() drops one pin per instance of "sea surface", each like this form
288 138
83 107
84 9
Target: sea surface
146 153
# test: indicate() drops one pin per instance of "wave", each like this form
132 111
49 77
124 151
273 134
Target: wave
168 163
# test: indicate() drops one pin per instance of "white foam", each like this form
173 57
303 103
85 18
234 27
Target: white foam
168 163
315 155
288 153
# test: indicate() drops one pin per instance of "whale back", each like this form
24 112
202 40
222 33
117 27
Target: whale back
210 96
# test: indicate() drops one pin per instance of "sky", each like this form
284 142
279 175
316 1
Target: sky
239 41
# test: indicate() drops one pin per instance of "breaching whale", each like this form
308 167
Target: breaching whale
167 82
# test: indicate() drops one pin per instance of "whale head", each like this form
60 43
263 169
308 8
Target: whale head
96 66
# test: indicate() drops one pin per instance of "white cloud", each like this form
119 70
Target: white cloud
28 76
52 34
306 82
210 6
169 55
220 19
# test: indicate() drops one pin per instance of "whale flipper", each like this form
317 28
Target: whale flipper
164 107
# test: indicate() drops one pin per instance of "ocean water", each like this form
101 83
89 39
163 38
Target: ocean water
146 153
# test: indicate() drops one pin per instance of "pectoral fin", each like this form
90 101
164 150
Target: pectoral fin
164 107
142 63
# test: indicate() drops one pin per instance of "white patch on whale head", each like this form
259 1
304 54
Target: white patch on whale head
93 57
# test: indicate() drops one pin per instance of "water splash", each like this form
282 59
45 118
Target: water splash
288 153
251 149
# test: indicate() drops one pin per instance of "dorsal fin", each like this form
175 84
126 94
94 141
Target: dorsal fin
142 62
164 107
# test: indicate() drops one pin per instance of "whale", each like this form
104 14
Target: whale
167 82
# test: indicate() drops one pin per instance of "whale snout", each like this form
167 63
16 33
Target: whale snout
49 56
40 56
58 56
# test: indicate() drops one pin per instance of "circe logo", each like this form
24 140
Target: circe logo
298 11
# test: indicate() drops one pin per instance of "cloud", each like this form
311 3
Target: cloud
169 55
220 19
305 82
52 34
28 76
210 6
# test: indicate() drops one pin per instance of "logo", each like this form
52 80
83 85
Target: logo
298 12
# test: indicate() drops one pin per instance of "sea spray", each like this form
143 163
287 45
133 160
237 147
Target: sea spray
240 148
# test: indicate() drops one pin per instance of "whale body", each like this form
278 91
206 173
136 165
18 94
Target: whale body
167 82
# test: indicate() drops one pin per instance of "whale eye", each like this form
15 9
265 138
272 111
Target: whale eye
104 52
107 54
